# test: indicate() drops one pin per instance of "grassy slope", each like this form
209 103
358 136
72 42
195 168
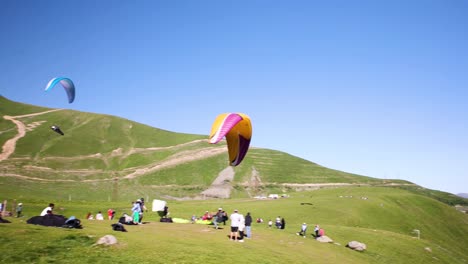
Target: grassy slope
384 222
87 134
280 167
7 107
13 108
447 198
73 157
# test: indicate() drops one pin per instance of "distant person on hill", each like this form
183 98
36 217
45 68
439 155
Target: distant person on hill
144 209
283 223
48 208
89 216
136 210
241 230
143 206
99 216
248 225
303 230
270 223
218 218
126 219
19 209
225 217
193 219
278 222
321 232
316 230
110 214
207 216
166 211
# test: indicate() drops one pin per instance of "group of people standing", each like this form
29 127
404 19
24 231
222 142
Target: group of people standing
239 224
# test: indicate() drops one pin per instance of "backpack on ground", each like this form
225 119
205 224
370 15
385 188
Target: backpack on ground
118 227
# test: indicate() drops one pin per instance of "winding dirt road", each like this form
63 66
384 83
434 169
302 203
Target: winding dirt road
10 145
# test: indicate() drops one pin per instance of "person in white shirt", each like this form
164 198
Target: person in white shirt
236 219
48 208
303 230
99 216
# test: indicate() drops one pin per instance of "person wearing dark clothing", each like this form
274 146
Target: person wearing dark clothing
225 217
248 225
283 223
126 219
278 222
218 218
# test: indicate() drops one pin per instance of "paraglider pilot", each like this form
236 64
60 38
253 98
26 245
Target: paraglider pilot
57 129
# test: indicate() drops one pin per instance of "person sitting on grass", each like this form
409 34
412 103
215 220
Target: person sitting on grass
126 219
99 216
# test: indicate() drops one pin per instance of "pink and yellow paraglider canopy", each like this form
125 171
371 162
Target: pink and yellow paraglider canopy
237 129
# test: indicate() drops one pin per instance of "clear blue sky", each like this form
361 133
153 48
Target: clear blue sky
378 88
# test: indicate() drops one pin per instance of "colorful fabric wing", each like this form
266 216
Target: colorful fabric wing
67 85
237 129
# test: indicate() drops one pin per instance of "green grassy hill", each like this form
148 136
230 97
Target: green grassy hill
113 156
105 162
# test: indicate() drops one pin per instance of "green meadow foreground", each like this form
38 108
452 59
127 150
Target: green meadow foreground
382 218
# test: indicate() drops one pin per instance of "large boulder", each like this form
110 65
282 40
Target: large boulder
324 239
358 246
107 240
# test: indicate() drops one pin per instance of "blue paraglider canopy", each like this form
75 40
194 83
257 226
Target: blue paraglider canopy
67 85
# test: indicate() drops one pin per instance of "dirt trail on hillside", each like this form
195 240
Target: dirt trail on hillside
179 158
221 186
33 178
140 150
10 145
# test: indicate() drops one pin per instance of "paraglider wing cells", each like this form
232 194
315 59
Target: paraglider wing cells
66 83
222 125
237 129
